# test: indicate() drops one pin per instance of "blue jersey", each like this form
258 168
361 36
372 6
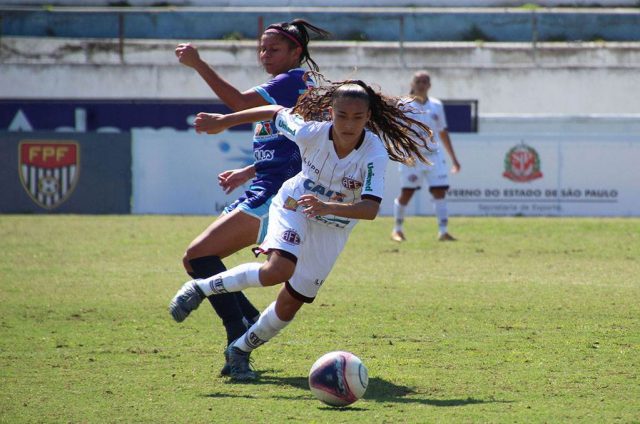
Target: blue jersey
276 157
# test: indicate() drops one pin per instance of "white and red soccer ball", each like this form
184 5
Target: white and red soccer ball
338 378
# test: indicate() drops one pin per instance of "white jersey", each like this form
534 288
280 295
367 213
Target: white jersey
346 180
430 113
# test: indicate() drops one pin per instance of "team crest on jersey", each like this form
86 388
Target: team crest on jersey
49 170
291 237
351 184
522 164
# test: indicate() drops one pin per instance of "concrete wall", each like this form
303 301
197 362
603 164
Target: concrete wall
356 3
513 78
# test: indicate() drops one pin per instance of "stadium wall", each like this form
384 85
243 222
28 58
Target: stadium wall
516 78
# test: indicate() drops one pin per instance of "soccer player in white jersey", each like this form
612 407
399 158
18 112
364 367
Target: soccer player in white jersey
311 216
429 111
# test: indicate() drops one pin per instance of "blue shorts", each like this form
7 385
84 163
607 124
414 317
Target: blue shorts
254 202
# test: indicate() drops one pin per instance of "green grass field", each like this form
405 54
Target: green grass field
521 320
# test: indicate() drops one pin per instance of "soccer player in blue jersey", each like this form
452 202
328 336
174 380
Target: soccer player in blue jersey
283 50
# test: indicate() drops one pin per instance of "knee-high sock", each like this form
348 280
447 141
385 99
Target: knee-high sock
398 215
228 306
233 280
267 327
440 207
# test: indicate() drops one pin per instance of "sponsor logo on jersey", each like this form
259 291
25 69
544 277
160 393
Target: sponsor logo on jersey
262 155
321 190
413 178
284 126
522 164
333 221
351 184
311 166
49 170
291 237
369 178
290 204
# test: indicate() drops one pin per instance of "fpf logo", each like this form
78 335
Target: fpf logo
49 170
522 164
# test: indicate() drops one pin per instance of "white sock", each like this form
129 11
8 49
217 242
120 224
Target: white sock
266 328
440 206
398 214
232 280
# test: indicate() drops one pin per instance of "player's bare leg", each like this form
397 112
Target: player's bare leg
440 207
399 207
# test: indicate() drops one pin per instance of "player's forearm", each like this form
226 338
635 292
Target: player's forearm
229 95
248 116
364 209
448 146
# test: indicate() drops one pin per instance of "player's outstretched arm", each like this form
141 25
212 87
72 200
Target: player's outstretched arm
188 55
214 123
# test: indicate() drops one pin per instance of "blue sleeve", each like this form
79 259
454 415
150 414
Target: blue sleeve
282 90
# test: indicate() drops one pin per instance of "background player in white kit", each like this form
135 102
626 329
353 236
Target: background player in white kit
429 111
342 181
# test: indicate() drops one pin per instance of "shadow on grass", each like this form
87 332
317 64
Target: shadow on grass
379 390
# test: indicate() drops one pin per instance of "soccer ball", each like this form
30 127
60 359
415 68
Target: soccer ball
338 378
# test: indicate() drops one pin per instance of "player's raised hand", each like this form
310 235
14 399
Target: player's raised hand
187 54
210 123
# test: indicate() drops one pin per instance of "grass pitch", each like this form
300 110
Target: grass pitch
521 320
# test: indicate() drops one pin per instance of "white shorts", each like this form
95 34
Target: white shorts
437 175
316 246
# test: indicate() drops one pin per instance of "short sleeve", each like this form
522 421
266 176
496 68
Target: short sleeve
283 89
289 124
374 172
442 118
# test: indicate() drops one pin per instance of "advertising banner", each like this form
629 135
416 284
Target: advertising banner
538 175
44 172
175 172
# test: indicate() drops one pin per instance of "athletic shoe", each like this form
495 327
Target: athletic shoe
226 369
186 300
446 237
240 364
398 236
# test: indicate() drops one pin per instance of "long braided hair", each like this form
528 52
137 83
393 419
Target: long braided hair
298 34
404 138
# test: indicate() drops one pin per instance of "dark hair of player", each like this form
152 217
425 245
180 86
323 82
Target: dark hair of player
298 34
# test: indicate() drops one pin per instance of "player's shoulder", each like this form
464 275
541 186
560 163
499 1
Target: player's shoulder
374 145
435 101
295 74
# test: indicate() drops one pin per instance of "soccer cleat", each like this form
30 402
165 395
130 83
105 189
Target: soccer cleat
186 300
398 236
226 369
239 364
446 237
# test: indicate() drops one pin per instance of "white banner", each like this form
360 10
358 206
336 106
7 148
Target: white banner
175 172
538 175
